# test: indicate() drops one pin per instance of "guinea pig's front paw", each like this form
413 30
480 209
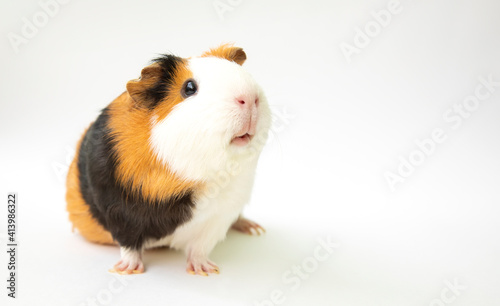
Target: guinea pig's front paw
201 266
248 227
131 263
125 267
128 268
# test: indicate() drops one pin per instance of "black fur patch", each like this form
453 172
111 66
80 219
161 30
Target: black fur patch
160 90
130 219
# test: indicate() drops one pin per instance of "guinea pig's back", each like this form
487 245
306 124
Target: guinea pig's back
79 211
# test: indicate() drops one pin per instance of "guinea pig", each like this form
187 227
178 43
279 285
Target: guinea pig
147 171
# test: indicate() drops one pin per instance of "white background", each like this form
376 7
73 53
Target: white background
340 125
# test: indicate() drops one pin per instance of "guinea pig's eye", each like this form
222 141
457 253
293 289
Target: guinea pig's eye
189 88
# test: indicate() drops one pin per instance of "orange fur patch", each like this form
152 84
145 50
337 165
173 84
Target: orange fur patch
138 168
79 211
229 52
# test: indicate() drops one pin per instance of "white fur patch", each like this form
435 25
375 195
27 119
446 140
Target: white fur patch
194 140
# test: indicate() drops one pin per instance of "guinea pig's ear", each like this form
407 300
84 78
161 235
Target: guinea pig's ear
229 52
140 89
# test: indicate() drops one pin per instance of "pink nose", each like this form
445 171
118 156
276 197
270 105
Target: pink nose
248 114
248 102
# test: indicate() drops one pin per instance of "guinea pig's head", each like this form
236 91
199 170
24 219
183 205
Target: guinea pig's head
205 112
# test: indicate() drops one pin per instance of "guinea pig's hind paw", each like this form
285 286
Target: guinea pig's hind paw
248 227
125 268
203 268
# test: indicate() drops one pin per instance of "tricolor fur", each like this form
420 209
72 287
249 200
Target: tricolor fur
147 171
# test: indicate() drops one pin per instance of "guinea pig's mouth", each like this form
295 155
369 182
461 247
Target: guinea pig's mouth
241 140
